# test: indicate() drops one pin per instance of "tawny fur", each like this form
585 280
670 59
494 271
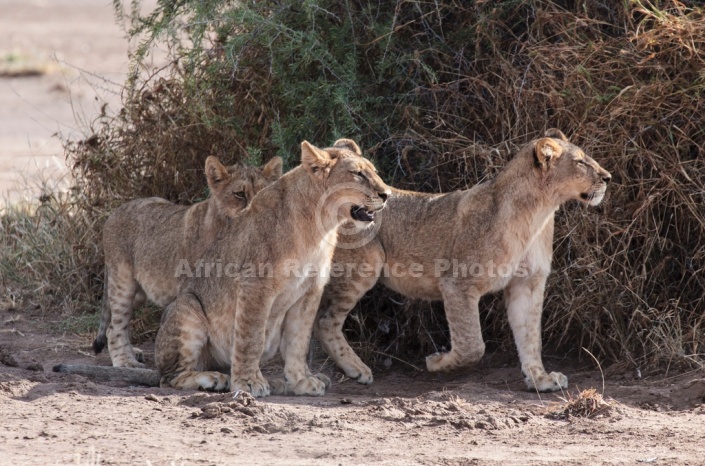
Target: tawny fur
507 221
131 375
145 240
238 321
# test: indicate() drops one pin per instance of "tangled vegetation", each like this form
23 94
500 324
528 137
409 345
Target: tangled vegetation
440 94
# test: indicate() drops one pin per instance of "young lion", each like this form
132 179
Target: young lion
456 247
145 240
280 247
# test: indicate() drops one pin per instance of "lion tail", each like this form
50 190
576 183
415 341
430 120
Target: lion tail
133 375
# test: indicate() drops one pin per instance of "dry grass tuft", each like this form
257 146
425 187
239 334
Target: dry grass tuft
586 404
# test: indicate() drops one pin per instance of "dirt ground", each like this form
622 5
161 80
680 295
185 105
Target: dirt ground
483 416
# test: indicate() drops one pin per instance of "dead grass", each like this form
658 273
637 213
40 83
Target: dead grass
585 404
624 81
47 256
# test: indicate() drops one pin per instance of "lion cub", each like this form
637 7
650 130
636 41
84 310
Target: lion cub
274 261
456 247
145 240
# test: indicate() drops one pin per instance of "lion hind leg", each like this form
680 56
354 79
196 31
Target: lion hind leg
138 302
463 315
121 290
180 345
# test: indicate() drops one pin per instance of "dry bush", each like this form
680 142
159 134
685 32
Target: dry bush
625 83
47 256
441 94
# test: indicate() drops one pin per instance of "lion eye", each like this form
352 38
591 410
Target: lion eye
240 195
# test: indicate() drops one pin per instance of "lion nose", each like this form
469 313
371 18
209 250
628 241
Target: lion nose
384 196
606 177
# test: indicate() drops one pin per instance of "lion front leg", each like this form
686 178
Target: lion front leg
524 300
463 315
329 332
296 336
340 296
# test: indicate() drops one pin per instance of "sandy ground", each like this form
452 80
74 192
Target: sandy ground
75 56
483 416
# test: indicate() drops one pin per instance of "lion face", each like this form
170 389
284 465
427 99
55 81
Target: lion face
573 174
234 187
351 183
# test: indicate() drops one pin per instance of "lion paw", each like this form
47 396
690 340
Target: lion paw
438 362
277 387
311 386
256 386
213 381
359 372
325 379
544 382
453 360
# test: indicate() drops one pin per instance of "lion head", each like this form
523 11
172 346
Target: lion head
234 187
573 174
350 181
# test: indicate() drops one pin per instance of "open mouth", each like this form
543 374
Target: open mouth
361 214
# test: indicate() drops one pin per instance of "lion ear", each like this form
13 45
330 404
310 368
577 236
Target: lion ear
273 169
546 150
216 172
556 134
316 161
348 144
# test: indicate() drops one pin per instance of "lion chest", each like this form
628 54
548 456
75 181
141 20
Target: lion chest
302 284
